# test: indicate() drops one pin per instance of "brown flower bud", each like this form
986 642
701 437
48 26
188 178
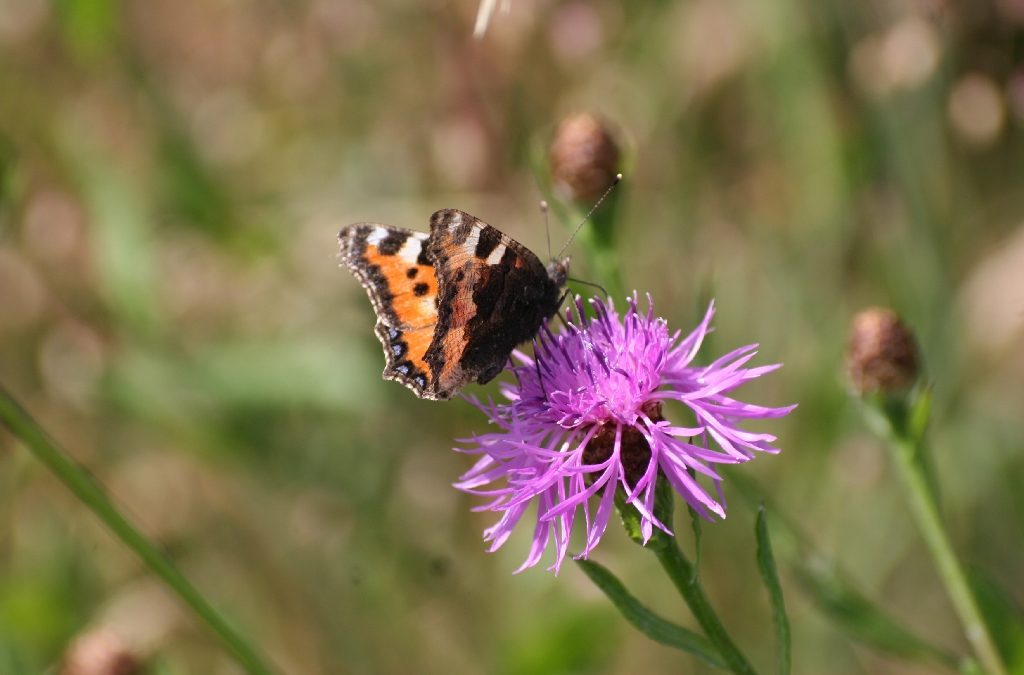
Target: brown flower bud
584 158
100 652
882 354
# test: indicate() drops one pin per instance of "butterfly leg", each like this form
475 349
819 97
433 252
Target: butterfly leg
558 313
536 366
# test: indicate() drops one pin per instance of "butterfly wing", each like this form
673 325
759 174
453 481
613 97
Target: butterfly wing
493 294
394 267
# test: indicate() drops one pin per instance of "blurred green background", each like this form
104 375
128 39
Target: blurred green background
172 177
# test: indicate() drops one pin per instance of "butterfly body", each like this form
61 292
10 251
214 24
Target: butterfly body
452 304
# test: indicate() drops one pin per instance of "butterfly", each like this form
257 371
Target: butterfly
451 305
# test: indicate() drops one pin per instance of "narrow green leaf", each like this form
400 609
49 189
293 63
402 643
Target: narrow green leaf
770 575
832 590
650 624
1004 617
78 479
919 414
919 409
859 617
680 571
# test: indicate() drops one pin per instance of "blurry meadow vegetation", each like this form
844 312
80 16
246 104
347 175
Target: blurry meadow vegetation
172 177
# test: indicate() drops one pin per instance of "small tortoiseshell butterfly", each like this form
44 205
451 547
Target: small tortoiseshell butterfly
453 304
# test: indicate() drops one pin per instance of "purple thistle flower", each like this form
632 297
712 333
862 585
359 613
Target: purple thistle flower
585 419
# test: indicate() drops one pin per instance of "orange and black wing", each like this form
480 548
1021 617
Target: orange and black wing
394 266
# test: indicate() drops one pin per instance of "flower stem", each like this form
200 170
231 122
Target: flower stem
81 483
680 571
926 513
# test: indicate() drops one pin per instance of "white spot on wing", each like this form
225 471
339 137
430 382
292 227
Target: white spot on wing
495 257
377 236
411 250
472 240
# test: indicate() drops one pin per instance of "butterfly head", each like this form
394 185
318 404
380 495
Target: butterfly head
558 272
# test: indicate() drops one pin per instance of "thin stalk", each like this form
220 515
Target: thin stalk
926 514
682 574
85 487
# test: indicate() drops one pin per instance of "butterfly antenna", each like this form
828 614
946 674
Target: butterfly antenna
618 177
547 227
589 283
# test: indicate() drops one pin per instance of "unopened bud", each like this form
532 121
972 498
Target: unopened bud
584 158
100 652
882 354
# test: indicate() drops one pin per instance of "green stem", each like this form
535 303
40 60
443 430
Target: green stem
92 495
681 571
926 513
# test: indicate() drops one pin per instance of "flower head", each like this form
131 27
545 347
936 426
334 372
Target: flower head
882 354
584 158
585 419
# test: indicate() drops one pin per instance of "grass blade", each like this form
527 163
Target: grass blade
647 622
836 595
85 487
770 575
